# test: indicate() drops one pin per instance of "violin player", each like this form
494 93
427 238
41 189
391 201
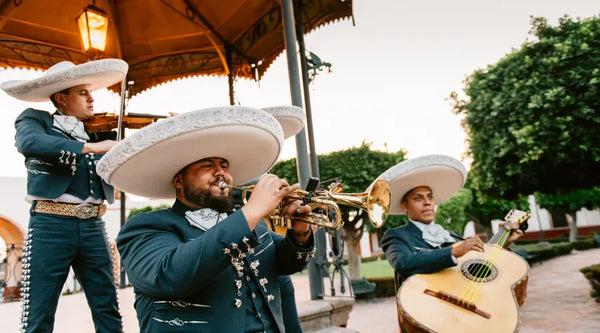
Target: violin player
65 226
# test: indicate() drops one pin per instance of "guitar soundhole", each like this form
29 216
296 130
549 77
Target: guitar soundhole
479 270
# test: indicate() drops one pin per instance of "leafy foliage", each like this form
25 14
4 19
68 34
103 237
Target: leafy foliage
135 211
533 117
483 209
452 214
570 202
357 167
592 274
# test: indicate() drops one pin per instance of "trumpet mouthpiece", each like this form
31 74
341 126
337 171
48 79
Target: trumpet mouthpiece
223 185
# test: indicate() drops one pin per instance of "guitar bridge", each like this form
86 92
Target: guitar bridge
457 301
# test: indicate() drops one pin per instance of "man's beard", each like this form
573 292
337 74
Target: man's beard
205 199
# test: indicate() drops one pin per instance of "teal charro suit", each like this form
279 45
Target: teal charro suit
409 254
51 157
189 280
55 243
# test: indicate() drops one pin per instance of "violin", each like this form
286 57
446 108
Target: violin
105 122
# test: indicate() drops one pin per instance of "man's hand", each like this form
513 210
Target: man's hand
268 192
459 249
98 147
514 235
301 230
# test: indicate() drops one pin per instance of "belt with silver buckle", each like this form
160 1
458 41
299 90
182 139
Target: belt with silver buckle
82 211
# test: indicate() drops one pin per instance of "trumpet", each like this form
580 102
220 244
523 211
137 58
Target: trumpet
375 201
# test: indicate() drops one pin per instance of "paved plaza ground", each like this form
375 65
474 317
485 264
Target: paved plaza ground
557 301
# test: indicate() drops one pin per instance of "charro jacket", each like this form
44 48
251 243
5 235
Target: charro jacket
54 161
189 280
409 254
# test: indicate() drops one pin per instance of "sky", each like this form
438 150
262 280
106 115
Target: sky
392 74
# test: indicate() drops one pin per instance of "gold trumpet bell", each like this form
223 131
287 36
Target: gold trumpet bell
375 201
378 203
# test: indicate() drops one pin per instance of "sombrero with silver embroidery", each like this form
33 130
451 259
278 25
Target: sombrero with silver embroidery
291 118
145 162
99 74
444 175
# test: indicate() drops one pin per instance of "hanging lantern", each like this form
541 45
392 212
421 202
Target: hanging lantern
93 26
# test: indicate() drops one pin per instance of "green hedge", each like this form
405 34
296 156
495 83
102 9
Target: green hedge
384 286
135 211
376 257
554 251
535 241
559 249
584 244
592 273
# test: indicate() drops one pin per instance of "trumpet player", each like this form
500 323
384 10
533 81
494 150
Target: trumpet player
200 266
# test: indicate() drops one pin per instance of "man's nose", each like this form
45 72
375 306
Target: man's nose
219 170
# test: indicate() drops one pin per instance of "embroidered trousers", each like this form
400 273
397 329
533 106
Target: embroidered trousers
54 244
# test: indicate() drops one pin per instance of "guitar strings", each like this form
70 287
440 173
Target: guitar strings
473 287
484 269
491 260
497 241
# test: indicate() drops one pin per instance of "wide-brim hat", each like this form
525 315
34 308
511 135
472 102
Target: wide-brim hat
444 175
99 74
145 162
290 117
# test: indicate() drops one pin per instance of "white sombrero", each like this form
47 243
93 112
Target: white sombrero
444 175
99 74
291 118
145 162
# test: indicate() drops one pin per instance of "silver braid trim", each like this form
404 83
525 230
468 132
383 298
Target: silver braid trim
25 283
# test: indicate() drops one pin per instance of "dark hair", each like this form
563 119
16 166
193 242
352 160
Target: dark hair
64 92
405 196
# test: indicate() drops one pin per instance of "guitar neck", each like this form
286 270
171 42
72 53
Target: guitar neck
502 235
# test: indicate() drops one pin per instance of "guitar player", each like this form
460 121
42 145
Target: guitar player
422 246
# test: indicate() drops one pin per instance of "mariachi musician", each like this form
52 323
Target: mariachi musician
67 196
201 266
424 247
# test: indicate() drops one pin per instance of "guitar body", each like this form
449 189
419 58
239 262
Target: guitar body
499 294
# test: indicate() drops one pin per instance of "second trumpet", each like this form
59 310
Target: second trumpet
375 201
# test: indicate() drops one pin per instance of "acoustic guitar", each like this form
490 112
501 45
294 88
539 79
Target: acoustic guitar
482 293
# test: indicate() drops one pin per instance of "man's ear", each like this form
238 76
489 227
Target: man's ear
59 98
403 205
178 181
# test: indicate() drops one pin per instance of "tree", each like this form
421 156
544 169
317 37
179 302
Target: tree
532 118
482 209
357 167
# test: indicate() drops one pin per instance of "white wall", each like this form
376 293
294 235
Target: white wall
15 208
541 217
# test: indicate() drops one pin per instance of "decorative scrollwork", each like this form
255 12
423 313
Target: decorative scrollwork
479 270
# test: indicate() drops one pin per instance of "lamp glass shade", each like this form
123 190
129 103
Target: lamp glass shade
93 27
